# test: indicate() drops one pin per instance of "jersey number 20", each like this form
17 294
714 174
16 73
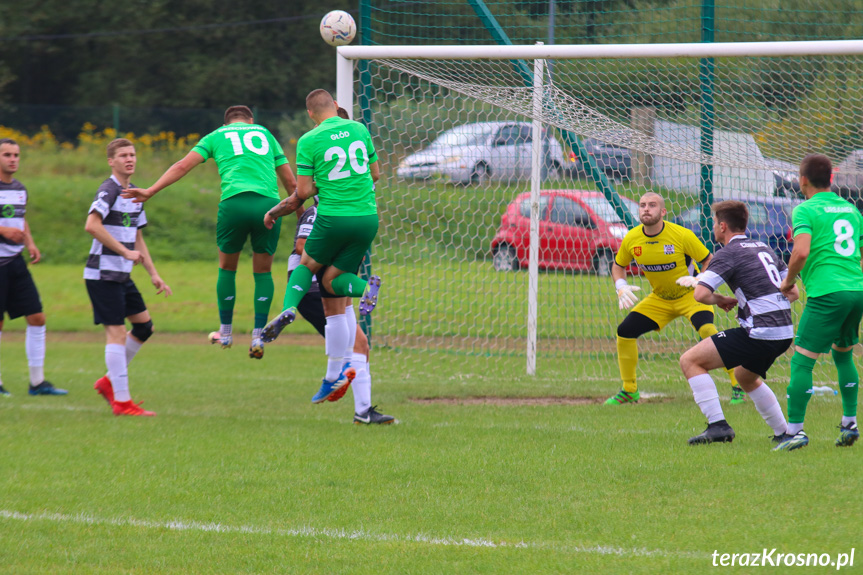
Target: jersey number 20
357 154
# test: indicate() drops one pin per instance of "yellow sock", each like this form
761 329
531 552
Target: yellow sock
627 360
706 331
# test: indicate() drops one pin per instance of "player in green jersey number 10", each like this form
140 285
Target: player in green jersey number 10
828 242
250 160
337 161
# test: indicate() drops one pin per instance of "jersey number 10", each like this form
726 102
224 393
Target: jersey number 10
253 141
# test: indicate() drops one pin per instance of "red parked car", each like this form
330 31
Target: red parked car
578 230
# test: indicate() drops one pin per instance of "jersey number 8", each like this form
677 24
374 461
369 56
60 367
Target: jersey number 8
844 245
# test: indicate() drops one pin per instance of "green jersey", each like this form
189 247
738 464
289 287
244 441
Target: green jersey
247 156
337 154
836 228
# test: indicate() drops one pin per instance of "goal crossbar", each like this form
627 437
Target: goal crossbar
607 51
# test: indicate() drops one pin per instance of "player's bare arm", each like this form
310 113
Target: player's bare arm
799 254
14 235
96 228
375 171
702 265
35 254
286 176
706 296
172 175
147 262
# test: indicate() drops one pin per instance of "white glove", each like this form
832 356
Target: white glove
625 298
687 281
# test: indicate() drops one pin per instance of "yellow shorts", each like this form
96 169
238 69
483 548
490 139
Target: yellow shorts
662 311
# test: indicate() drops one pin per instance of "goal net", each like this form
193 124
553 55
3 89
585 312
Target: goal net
454 127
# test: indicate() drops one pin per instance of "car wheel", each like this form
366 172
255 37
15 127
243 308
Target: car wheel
505 259
602 262
480 174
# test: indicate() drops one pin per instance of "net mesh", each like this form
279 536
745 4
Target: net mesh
453 138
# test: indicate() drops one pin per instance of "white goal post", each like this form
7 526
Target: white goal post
715 127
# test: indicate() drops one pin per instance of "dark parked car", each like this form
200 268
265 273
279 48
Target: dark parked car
578 230
769 221
615 161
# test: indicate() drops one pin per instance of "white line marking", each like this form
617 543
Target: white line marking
341 534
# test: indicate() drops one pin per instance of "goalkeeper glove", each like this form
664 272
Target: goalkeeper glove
687 281
625 298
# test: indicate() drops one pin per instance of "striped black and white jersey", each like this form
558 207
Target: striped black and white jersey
304 228
13 206
754 273
122 218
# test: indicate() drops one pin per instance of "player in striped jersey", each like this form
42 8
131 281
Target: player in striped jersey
115 224
18 294
753 272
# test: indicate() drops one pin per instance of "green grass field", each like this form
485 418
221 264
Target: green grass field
240 473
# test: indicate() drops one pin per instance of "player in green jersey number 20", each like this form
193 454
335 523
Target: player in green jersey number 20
249 160
828 242
337 161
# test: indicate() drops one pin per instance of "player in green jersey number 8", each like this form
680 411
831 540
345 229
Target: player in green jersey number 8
250 160
827 255
337 161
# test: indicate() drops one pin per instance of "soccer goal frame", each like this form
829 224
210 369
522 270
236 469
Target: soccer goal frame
533 76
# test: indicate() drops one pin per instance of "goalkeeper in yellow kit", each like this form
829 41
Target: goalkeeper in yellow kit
667 254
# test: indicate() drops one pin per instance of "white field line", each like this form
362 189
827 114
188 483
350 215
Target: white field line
341 534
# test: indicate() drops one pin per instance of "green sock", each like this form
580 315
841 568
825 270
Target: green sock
226 292
264 290
849 381
799 390
349 285
298 284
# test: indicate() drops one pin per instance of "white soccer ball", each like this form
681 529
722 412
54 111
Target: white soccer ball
338 28
215 337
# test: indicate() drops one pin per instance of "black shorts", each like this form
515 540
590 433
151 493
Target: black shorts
312 310
113 302
735 347
18 293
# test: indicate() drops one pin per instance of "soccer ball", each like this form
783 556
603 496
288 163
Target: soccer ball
215 337
338 28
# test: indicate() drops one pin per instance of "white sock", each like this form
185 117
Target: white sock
768 408
115 359
225 329
35 346
706 396
336 342
133 346
794 428
846 421
256 333
351 318
362 384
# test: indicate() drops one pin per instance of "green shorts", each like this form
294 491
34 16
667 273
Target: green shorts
341 241
830 319
243 215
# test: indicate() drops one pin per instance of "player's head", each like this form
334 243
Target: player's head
320 105
342 113
122 157
816 171
238 114
10 154
730 218
651 209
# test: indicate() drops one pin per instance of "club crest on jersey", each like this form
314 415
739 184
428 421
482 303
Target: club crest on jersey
637 250
669 249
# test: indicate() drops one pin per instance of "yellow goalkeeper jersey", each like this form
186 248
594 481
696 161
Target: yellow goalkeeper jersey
663 258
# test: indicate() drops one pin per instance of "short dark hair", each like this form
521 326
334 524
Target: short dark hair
342 113
238 113
319 100
8 141
115 145
735 214
818 169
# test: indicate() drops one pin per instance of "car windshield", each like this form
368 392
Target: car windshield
605 211
470 135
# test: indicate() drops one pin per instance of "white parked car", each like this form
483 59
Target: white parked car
475 153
